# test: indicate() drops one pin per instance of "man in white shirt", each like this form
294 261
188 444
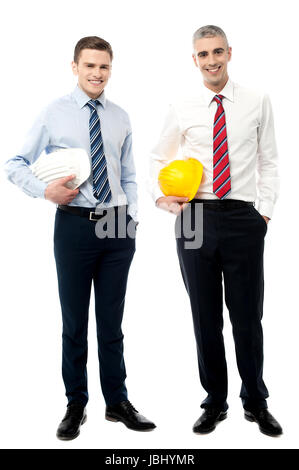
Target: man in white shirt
230 130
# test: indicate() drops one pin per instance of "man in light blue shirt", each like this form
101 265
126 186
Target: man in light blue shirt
64 124
86 119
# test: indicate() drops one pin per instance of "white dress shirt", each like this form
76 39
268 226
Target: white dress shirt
251 144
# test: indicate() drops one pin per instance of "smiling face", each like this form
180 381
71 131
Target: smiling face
211 56
93 70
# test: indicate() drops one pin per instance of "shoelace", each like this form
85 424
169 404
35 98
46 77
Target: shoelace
211 411
75 410
264 414
129 407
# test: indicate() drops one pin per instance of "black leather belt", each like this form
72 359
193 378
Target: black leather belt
225 204
88 212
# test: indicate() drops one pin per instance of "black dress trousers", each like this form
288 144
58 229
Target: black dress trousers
82 259
231 251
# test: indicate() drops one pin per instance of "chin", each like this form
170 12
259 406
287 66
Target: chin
216 81
95 93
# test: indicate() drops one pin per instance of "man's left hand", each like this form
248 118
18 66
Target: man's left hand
266 218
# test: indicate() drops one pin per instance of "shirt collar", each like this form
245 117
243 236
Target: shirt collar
227 91
82 98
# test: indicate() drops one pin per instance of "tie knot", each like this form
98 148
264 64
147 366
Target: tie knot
218 98
92 104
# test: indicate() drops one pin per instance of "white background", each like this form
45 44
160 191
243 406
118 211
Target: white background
152 65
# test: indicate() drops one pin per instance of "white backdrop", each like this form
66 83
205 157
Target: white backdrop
152 46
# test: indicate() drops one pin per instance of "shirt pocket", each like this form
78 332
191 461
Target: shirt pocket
198 134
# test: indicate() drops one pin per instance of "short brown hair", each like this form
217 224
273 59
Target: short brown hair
92 42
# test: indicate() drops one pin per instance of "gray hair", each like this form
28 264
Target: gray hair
208 31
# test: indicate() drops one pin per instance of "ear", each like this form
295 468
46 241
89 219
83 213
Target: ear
229 53
195 60
74 68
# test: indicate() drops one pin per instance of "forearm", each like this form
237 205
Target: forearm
130 190
128 176
267 162
19 173
18 168
164 151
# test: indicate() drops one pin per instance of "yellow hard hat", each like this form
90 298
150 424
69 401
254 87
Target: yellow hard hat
181 178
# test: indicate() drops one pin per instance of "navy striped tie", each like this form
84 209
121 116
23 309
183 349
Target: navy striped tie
101 187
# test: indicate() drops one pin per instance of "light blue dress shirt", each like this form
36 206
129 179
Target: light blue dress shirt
64 123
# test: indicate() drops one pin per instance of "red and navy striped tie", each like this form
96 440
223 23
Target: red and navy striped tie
221 173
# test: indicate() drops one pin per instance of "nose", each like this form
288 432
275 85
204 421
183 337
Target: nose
97 73
211 60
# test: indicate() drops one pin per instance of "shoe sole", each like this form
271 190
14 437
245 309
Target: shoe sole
222 417
75 435
253 420
116 420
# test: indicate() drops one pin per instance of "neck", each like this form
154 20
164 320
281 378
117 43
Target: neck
92 97
216 88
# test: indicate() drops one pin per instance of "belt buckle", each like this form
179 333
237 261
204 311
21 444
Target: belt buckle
91 218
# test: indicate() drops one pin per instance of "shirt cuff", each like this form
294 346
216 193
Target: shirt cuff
40 189
266 208
133 211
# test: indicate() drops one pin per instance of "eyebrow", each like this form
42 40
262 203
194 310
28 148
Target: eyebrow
101 65
218 49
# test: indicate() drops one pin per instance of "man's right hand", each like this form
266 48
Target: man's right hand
174 204
58 193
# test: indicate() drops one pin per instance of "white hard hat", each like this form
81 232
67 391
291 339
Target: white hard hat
61 163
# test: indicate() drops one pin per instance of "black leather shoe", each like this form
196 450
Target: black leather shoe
126 413
207 421
69 427
267 423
